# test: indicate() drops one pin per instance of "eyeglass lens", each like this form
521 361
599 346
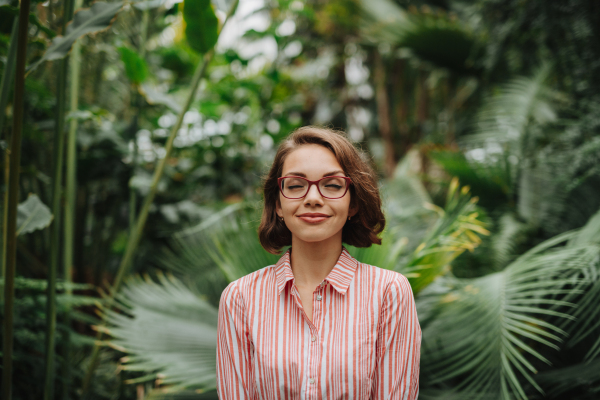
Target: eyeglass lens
329 187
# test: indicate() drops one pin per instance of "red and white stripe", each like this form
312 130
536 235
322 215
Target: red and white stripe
364 341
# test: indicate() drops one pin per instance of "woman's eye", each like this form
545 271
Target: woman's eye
295 187
331 186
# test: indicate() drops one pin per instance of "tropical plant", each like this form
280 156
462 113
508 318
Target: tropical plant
518 314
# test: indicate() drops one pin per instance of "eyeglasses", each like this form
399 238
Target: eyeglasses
329 187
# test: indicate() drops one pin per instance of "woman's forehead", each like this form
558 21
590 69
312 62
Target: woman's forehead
312 161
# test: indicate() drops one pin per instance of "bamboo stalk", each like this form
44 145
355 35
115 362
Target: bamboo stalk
8 73
383 113
13 199
59 148
135 236
70 201
7 78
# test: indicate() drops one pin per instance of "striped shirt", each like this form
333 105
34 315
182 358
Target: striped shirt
363 343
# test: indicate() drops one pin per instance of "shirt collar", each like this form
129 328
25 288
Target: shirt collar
340 276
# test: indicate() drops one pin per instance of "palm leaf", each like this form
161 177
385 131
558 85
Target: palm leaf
588 313
506 114
457 230
219 250
433 37
562 380
171 334
422 239
482 335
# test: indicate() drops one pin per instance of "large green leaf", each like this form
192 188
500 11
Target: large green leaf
485 335
136 68
96 18
32 215
202 25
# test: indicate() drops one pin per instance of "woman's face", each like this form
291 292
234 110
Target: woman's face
314 218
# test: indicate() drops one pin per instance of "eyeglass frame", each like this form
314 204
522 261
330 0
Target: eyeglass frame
316 183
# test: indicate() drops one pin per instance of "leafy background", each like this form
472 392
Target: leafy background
481 119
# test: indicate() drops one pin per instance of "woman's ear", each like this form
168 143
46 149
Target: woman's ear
278 209
353 211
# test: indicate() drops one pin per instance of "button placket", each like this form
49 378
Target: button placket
314 343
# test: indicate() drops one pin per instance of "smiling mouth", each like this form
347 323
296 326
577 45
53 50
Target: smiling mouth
313 218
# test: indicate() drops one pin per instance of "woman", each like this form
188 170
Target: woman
319 324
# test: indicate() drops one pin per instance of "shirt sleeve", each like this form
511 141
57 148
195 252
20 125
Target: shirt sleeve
235 376
396 374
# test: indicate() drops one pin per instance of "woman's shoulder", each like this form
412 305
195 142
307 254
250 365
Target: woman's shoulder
247 282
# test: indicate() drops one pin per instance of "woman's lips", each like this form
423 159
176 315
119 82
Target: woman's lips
313 218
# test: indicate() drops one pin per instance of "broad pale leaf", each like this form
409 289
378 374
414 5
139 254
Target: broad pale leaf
32 215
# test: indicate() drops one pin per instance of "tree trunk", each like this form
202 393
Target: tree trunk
383 113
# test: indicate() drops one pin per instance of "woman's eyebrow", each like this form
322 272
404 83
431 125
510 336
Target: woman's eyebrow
336 172
332 173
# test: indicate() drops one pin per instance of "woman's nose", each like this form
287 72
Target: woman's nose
313 195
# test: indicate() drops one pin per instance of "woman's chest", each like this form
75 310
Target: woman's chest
332 356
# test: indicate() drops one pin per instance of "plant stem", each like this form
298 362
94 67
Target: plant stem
59 147
7 77
70 201
134 237
9 70
13 199
138 104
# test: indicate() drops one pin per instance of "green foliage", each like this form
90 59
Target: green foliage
29 330
434 37
510 316
7 10
32 215
98 17
172 333
202 25
135 66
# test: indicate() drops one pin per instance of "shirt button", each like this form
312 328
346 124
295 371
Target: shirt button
313 339
319 297
311 381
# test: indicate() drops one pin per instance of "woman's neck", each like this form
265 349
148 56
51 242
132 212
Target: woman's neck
313 261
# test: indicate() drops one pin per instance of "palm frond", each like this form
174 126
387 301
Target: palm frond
217 251
167 332
433 37
482 335
457 229
562 380
408 220
422 239
587 312
491 182
510 233
506 114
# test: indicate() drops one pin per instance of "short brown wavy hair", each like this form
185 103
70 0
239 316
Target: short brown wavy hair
363 229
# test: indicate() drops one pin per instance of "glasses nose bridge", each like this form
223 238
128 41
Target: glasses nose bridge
310 185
